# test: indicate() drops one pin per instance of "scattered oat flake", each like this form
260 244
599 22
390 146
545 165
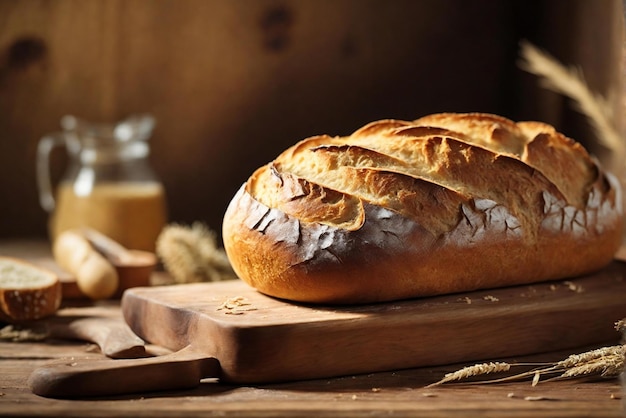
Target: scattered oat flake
573 286
491 298
553 287
429 395
466 300
536 378
375 389
354 397
18 334
538 398
236 306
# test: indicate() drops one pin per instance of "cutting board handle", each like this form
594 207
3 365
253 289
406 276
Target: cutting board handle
81 378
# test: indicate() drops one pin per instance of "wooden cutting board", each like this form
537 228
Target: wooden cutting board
229 331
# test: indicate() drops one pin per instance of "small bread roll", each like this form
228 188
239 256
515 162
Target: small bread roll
27 292
95 276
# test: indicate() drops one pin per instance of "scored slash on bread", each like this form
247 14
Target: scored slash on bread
27 292
446 203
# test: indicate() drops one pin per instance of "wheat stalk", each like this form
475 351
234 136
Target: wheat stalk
571 83
605 367
591 356
475 370
604 362
190 254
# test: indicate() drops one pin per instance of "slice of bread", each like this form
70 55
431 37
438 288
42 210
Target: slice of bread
27 292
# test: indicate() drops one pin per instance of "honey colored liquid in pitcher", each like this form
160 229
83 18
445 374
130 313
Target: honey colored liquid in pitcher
132 214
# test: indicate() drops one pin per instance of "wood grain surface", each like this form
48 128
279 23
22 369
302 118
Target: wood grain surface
397 393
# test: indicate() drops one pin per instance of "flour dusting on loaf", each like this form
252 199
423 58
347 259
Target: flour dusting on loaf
446 203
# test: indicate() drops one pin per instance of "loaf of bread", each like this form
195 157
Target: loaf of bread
27 292
447 203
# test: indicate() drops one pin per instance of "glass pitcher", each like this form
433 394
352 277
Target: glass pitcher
108 185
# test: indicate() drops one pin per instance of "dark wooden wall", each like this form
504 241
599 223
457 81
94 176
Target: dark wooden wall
234 82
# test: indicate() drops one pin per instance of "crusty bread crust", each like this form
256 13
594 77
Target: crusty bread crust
447 203
27 292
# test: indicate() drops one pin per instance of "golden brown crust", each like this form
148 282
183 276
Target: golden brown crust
27 292
402 209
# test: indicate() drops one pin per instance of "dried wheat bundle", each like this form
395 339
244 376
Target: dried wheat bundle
605 362
190 254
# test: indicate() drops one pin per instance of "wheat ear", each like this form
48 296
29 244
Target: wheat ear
475 370
571 83
603 362
190 254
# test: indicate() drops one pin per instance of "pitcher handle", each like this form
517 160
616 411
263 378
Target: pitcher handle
44 148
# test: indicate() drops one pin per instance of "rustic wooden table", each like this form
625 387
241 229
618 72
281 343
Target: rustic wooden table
397 393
